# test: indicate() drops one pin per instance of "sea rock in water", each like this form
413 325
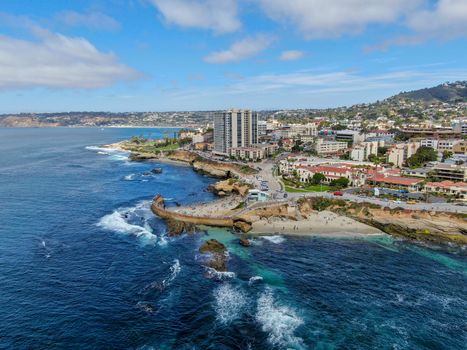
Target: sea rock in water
176 228
217 252
157 170
244 242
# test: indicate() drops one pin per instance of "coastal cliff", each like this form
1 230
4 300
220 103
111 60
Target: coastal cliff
199 163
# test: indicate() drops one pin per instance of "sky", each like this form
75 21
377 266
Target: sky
177 55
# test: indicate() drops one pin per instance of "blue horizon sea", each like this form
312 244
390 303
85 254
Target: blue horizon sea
84 264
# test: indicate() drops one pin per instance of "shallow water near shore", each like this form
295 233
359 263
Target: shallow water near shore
84 264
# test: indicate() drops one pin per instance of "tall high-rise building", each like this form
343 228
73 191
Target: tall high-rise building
235 128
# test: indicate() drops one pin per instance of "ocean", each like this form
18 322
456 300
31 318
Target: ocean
85 265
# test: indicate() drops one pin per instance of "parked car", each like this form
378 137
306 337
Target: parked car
338 193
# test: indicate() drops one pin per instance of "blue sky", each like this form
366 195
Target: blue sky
162 55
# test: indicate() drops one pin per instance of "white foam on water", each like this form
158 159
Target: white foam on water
274 239
219 275
230 303
130 177
163 241
118 222
254 279
278 321
174 271
114 154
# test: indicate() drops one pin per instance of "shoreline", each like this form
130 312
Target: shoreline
320 223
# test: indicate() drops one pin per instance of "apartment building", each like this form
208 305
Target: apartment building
399 153
349 136
460 148
452 172
363 150
235 128
323 147
253 152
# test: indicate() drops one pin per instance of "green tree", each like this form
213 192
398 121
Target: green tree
446 155
318 178
423 155
341 182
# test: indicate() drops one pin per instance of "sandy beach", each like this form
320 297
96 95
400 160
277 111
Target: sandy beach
320 223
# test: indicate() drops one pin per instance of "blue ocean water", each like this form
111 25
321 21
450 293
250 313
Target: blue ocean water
84 264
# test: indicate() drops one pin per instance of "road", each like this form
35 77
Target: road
276 192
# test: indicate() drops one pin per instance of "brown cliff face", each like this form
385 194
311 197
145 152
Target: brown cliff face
230 186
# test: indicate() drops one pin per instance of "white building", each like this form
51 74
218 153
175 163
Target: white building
262 127
235 128
363 150
329 147
399 153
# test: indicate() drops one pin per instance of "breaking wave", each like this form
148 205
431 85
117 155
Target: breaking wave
278 321
254 279
122 221
113 154
229 304
274 239
218 275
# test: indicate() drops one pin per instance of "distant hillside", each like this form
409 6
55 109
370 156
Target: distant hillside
448 92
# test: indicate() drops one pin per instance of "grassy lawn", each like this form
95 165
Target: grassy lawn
171 147
311 188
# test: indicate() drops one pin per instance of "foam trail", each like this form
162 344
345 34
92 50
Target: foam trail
229 304
279 321
274 239
174 271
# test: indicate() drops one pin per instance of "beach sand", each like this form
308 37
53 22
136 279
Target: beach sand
323 223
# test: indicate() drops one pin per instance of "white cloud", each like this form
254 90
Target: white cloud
241 50
334 18
217 15
447 20
92 20
291 55
57 61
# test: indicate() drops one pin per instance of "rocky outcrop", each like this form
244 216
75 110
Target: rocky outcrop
230 186
244 242
242 225
217 254
176 228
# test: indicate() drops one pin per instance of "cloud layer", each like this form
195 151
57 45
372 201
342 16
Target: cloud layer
57 61
333 18
91 20
291 55
242 49
217 15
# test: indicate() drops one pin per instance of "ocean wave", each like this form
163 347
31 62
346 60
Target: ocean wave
130 177
218 275
274 239
254 279
114 154
230 303
119 221
279 321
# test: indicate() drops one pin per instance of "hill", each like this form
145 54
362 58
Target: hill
447 92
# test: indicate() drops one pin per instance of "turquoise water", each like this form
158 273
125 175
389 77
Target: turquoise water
84 264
